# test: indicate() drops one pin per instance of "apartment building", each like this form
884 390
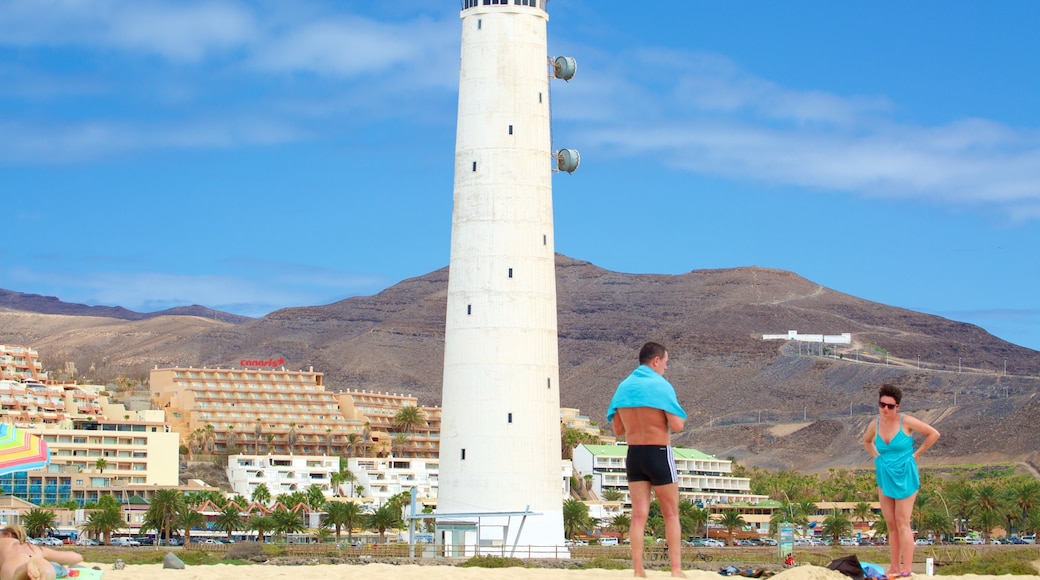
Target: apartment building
573 419
377 412
264 411
19 363
281 474
91 458
379 479
703 479
280 412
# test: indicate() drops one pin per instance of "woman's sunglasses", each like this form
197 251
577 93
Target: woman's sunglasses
887 405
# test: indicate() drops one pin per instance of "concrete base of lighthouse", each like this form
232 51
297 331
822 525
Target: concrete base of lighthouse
505 534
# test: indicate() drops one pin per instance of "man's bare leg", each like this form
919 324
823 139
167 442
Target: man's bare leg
639 492
668 498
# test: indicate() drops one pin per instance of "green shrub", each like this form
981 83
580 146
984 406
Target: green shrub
995 563
493 562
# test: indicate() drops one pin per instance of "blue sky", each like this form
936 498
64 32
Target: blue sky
250 156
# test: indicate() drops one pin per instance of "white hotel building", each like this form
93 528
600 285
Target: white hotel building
702 478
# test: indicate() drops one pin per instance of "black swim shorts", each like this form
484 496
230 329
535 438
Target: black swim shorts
653 463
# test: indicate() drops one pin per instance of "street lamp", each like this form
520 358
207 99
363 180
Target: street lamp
947 508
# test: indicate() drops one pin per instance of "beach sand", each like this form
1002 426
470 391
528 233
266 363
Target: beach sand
414 572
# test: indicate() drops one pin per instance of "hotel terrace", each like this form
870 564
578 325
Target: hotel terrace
275 411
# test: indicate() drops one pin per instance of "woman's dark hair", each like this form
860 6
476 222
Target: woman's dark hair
891 391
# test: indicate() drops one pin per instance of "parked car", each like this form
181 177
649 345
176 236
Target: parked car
1030 539
608 541
923 542
87 542
212 541
125 542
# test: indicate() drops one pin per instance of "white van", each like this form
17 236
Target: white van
608 541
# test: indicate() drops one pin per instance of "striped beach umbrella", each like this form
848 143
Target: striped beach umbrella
21 450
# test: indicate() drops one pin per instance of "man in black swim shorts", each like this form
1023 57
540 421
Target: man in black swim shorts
652 463
645 411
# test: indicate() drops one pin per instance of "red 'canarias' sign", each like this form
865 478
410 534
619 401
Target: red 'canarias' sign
261 363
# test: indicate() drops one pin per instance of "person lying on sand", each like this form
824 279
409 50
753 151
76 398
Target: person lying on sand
20 560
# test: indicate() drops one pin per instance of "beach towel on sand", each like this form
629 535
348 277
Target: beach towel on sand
849 566
645 388
84 573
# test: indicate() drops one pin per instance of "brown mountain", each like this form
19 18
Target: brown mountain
766 403
20 301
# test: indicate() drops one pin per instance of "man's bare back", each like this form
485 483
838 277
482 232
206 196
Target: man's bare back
645 425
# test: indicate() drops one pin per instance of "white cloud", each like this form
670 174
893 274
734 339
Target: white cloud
184 31
87 140
700 113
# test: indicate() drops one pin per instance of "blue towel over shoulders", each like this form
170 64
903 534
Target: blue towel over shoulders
645 388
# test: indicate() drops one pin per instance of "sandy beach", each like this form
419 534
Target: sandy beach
414 572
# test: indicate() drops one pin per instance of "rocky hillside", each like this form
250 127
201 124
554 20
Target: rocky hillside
765 402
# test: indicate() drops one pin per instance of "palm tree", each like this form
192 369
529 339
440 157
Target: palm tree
261 524
962 500
697 519
1031 523
163 510
989 510
315 498
384 518
399 442
187 520
258 431
1024 495
837 526
732 521
612 494
340 477
328 441
107 519
209 439
408 418
39 522
240 500
291 500
197 498
322 534
229 519
261 494
621 523
880 527
353 441
343 514
938 523
287 522
230 439
100 464
862 512
291 437
575 517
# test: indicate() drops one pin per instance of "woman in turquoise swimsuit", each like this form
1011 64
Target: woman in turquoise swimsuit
889 440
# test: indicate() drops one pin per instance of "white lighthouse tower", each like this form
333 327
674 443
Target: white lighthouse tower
500 425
